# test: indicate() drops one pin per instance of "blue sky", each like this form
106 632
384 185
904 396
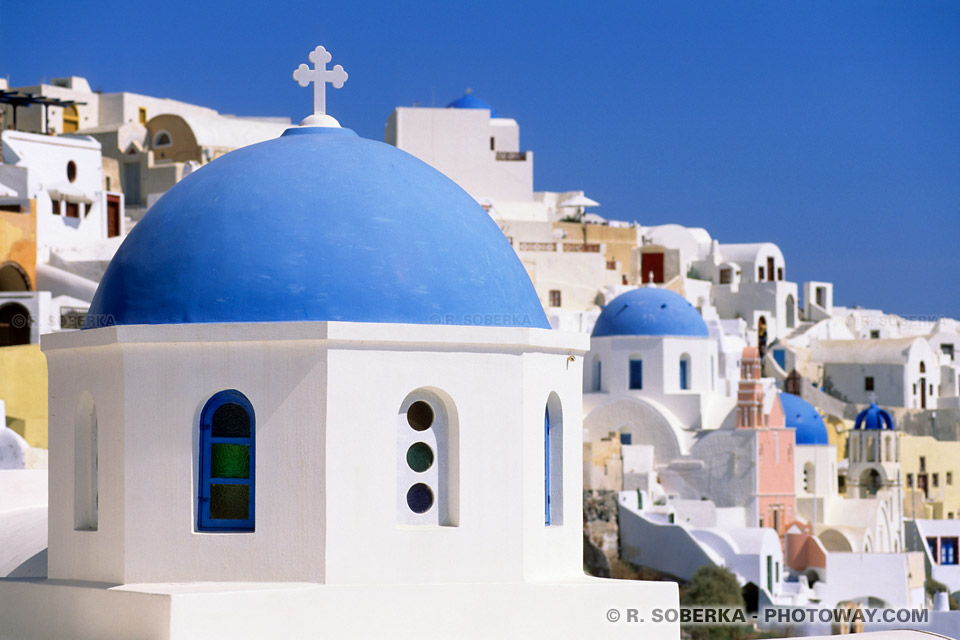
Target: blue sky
830 128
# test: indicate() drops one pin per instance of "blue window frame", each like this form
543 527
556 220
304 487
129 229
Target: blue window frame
227 464
948 550
636 374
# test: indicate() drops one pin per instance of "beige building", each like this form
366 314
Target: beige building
930 469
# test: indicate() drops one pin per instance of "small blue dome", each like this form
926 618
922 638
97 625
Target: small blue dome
802 416
470 101
874 418
650 312
318 224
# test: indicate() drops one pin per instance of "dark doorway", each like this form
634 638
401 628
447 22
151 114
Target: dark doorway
14 325
651 267
113 216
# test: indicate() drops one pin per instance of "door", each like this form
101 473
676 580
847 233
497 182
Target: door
113 216
923 393
651 267
131 182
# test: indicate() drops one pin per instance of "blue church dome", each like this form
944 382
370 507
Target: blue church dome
650 312
318 224
874 418
805 419
470 101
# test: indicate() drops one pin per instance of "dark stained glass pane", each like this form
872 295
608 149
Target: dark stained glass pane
231 420
420 457
420 498
229 501
420 415
229 460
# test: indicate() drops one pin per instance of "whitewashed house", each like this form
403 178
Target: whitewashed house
895 372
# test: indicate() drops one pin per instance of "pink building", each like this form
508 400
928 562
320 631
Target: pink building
776 497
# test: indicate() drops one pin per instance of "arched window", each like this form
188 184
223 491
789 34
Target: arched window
162 139
597 385
553 461
923 367
428 467
85 464
685 372
227 463
791 311
13 277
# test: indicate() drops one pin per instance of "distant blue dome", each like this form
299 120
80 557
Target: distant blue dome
874 418
650 312
318 224
802 416
470 101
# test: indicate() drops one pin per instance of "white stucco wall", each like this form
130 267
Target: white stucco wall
324 446
457 143
47 158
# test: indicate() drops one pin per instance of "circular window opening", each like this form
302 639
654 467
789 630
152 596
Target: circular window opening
420 457
420 498
71 171
420 415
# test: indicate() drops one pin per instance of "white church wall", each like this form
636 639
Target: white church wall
337 451
89 555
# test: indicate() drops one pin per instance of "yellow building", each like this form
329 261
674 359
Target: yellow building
930 471
23 388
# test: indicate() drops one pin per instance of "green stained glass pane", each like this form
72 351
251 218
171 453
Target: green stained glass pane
229 501
230 460
420 457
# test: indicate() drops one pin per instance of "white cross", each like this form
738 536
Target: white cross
320 76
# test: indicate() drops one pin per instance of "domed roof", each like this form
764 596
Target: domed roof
650 312
470 101
802 416
873 418
318 224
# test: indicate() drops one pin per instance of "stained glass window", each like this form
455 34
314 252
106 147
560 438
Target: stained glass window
227 464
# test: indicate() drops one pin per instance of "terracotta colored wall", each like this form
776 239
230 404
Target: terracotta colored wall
18 240
803 551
